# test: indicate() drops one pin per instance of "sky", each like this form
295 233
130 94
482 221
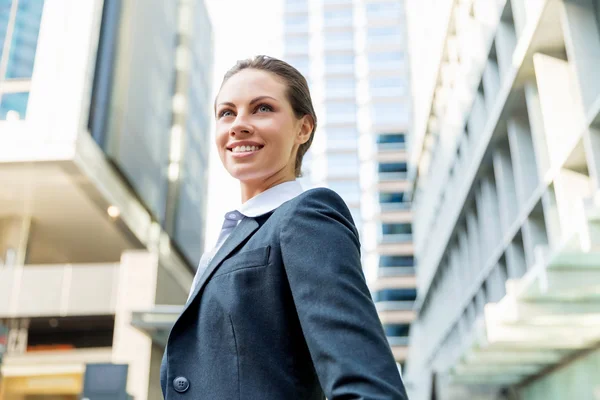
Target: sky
241 29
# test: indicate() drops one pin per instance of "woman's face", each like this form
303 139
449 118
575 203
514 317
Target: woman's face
257 133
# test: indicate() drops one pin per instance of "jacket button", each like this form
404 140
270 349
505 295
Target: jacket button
181 384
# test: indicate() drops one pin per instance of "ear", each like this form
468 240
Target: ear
306 128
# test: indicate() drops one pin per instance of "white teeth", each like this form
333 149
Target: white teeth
243 149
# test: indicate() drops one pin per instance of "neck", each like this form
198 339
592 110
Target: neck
253 189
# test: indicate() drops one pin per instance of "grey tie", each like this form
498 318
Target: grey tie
231 221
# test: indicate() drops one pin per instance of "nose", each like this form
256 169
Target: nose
240 126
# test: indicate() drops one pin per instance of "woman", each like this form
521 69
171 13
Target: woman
280 308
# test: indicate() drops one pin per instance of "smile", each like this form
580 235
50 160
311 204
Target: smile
245 149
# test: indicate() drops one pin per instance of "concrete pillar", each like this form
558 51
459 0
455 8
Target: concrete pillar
137 291
14 235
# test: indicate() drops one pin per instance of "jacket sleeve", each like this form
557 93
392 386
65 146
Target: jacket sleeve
321 255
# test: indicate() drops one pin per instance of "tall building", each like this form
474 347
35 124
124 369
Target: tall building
353 54
505 155
104 119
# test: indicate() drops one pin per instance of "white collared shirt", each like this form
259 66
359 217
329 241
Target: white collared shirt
261 204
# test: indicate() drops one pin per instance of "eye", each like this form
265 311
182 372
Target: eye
225 113
264 108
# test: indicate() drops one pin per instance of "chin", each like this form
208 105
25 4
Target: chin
243 173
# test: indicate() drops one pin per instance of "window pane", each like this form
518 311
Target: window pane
298 44
338 17
341 138
396 229
389 113
14 105
386 56
340 112
348 190
342 164
24 40
300 63
391 197
5 6
396 261
393 167
384 10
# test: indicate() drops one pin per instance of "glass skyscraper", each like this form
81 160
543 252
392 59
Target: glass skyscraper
354 55
104 119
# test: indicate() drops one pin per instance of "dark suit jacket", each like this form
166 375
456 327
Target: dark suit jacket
283 312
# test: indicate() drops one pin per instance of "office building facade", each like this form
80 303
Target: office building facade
504 167
353 54
104 119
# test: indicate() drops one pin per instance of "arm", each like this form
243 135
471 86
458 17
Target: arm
321 255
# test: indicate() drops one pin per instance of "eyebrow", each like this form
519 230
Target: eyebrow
254 100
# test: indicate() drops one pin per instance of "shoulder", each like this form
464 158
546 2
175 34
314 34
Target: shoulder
316 207
318 199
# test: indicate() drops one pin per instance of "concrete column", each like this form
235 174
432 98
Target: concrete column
137 291
14 235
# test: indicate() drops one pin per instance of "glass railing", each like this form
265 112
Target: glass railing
394 305
391 176
398 340
391 146
395 271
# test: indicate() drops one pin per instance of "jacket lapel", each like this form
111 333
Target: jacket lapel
246 227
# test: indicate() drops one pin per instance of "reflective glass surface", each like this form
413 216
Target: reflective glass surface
24 39
13 105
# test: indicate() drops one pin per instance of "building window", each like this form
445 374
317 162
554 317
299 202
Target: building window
340 112
338 17
343 164
396 229
386 57
392 167
341 138
21 46
391 197
384 10
390 113
297 44
396 295
348 190
388 86
391 138
24 39
296 22
340 87
13 106
396 261
401 330
302 64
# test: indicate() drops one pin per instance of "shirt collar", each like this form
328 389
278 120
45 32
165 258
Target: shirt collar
270 199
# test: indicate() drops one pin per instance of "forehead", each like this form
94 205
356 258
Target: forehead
250 83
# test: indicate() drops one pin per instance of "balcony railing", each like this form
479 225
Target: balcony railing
394 305
39 290
398 340
395 271
391 146
391 176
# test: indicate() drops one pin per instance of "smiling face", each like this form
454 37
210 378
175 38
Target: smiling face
257 132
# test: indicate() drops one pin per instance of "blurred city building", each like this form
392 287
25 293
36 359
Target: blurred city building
103 168
505 168
353 53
